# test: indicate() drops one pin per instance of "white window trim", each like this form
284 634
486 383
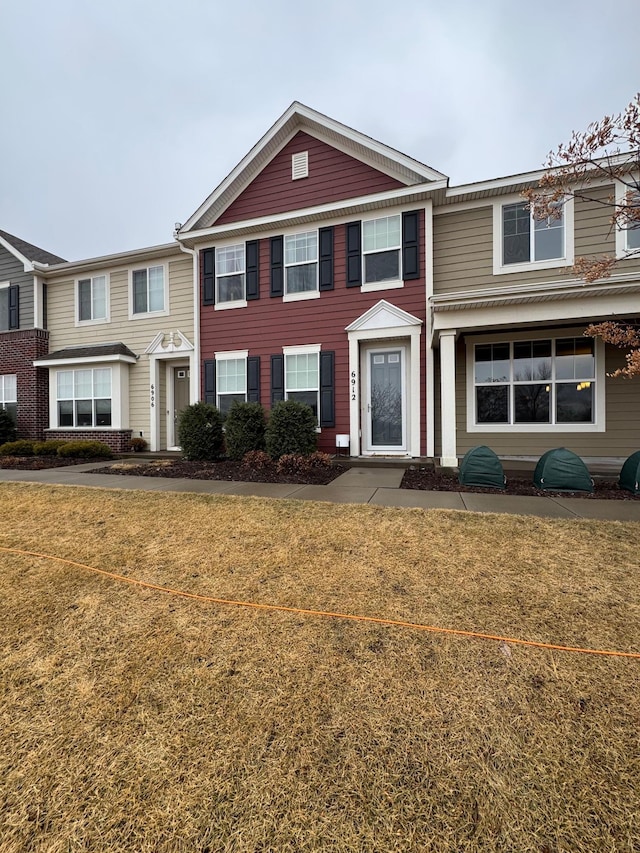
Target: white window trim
304 349
119 395
599 424
622 250
5 285
3 397
107 291
231 355
145 314
307 294
393 283
553 263
73 370
231 303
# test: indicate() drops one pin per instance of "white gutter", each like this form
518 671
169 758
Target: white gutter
194 384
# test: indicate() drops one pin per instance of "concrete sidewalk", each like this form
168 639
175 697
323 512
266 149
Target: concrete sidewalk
378 486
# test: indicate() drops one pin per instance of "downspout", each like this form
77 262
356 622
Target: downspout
194 385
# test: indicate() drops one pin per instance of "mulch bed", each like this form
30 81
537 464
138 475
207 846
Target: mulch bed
39 463
428 480
223 471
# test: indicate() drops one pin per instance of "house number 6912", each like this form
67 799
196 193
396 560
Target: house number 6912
353 385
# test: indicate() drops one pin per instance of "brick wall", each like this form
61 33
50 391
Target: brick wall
119 440
17 352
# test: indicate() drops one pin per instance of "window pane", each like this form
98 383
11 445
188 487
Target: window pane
12 411
84 299
83 383
65 413
65 384
156 289
516 234
531 360
84 413
139 291
4 309
531 403
232 376
230 288
308 397
492 404
575 358
633 237
381 233
549 239
301 372
10 388
102 382
103 412
382 266
99 297
574 402
230 259
302 279
225 401
300 248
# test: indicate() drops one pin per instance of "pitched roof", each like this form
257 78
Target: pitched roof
90 351
29 251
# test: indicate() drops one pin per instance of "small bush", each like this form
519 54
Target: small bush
291 429
84 450
200 432
257 460
7 427
295 463
244 429
22 447
319 460
138 444
49 447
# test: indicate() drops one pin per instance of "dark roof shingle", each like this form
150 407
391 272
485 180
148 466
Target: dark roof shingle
31 252
90 351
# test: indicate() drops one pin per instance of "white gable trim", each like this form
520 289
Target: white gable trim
384 315
166 344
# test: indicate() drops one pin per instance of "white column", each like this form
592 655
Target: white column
449 456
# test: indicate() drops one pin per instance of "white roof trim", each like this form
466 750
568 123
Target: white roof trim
28 266
89 359
383 315
120 259
299 117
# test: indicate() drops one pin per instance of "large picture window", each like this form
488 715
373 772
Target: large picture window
549 381
302 379
381 244
301 263
84 397
230 274
9 395
148 290
92 298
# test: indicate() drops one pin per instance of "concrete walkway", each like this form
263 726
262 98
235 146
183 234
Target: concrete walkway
378 486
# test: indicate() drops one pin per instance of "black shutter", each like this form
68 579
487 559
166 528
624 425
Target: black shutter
410 245
253 379
327 390
326 258
253 269
277 266
14 301
210 381
208 276
277 378
354 254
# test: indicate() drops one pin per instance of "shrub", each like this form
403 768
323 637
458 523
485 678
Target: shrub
22 447
200 432
49 447
138 444
7 427
258 460
319 460
84 450
296 463
291 429
244 429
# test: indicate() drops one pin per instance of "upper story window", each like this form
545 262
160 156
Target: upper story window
9 307
627 236
9 394
301 263
230 274
92 299
84 397
522 242
381 244
148 287
533 385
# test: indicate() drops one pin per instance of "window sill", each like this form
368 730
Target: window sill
373 286
534 428
301 297
532 266
144 315
99 322
226 306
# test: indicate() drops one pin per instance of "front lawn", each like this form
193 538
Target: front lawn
135 720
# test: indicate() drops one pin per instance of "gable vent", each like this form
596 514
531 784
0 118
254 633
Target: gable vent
300 165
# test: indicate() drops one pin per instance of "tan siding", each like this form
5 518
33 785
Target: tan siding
137 333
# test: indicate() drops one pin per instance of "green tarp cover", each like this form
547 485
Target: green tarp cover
562 470
481 467
630 474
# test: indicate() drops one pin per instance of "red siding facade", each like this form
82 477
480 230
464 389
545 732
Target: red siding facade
267 324
333 176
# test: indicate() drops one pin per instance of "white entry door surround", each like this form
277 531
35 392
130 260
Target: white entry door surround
167 350
384 328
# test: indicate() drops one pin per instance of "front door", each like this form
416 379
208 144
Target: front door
180 397
386 406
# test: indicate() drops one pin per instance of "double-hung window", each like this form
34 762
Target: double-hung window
522 242
8 306
301 263
9 394
148 290
302 376
92 299
628 231
530 383
230 274
381 245
84 397
231 379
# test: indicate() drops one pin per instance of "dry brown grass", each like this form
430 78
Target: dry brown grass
135 721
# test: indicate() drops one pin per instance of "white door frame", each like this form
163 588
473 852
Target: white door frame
170 378
168 348
366 352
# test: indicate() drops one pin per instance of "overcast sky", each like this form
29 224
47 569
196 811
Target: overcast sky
121 116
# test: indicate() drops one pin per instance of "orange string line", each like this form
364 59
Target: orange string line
326 613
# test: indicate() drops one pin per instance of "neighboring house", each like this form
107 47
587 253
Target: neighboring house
416 318
23 335
121 358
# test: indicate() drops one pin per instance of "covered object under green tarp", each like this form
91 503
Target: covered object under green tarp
481 467
562 470
630 474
